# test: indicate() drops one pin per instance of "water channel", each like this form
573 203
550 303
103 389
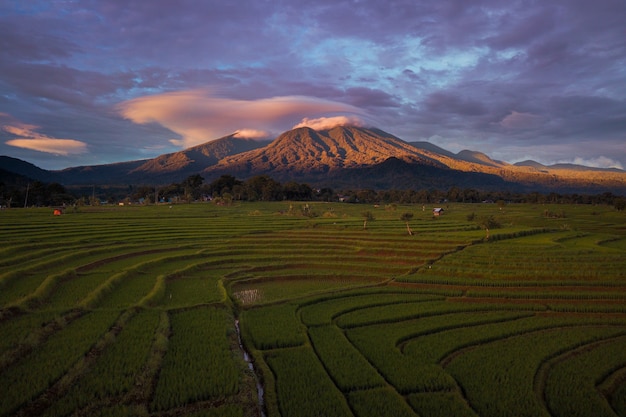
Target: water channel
248 359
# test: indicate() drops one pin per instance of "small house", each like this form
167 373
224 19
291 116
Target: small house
437 211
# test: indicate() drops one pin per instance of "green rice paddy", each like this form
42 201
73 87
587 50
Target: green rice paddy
136 311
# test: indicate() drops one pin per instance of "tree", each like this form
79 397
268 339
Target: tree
366 196
171 192
367 216
226 199
193 181
295 191
488 222
326 194
406 218
454 194
191 185
144 192
239 191
264 188
224 184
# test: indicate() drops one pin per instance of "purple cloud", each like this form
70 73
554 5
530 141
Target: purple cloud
449 103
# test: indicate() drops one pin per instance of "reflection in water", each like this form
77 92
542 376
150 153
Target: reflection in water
249 296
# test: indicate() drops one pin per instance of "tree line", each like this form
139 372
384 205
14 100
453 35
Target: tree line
227 189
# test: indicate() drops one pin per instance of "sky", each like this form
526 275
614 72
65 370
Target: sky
87 82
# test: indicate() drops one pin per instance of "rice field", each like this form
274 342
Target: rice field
136 310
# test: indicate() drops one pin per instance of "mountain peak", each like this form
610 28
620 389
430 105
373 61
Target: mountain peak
304 150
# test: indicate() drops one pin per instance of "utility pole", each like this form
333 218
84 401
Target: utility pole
26 199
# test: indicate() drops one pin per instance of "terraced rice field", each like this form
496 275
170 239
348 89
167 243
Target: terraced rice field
125 311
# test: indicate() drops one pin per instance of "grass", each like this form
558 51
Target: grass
130 311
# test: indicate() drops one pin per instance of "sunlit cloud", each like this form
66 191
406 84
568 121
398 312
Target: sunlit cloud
23 130
29 138
324 123
199 116
252 134
62 147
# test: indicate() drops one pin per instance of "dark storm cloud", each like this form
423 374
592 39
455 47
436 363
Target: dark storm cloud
521 77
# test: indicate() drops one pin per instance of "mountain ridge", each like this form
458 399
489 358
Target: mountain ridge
192 160
340 156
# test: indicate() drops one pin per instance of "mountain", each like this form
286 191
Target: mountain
395 173
167 168
23 168
430 147
117 173
465 155
478 158
576 167
350 156
532 164
192 160
341 157
307 153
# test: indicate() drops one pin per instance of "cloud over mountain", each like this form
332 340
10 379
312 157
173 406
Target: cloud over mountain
324 123
199 115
